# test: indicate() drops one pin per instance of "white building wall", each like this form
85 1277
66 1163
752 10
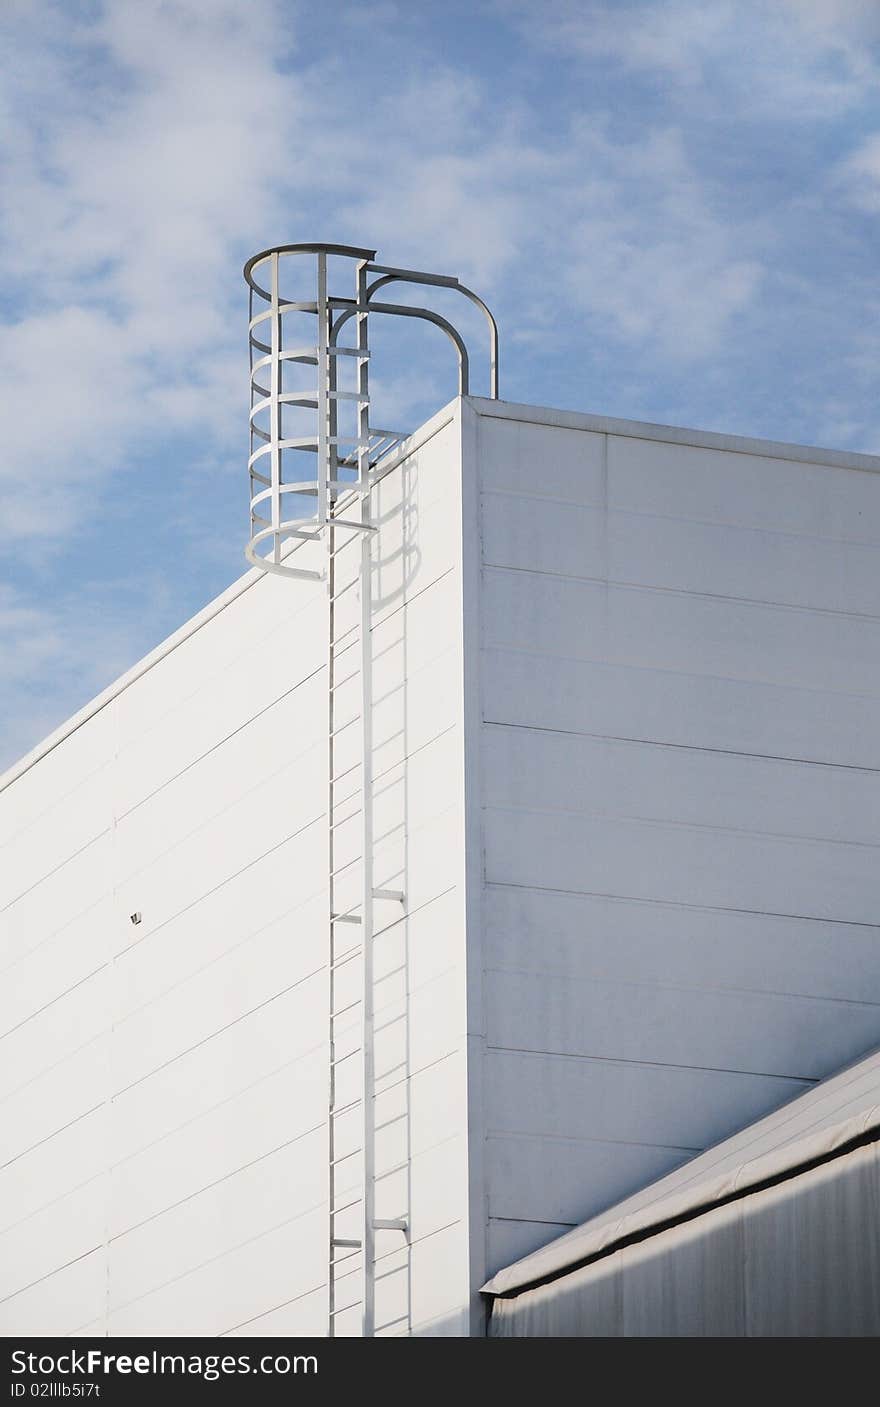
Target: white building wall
626 738
163 1133
675 682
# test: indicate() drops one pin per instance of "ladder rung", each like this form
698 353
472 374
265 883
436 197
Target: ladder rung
348 396
352 630
337 1274
338 683
300 398
346 1207
343 650
335 1015
337 1113
342 590
395 895
336 551
348 956
346 1241
334 1162
348 352
339 775
339 806
343 868
344 918
392 1224
396 1167
354 523
353 1304
334 1065
336 914
347 724
344 800
339 650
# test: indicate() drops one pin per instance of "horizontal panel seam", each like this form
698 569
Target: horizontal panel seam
683 904
68 859
672 823
212 1260
678 747
574 979
273 1309
170 1133
216 1182
649 1064
644 589
252 718
47 1005
56 1270
664 670
522 1136
598 507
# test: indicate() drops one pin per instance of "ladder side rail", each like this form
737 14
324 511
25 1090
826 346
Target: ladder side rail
368 1249
404 310
410 276
275 413
330 409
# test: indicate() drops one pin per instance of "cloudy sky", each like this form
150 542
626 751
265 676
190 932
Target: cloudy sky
672 205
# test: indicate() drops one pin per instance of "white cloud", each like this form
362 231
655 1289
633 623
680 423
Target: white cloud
158 140
152 146
646 255
677 37
154 143
139 160
859 175
794 58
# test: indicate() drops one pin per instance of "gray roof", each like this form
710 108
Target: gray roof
843 1108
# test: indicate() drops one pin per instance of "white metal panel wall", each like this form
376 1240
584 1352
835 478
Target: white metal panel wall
679 715
164 1084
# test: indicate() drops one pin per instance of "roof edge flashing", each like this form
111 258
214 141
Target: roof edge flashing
677 435
755 1175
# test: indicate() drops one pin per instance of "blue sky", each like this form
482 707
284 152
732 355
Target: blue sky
672 206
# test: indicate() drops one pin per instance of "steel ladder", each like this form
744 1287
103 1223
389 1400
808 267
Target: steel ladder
351 893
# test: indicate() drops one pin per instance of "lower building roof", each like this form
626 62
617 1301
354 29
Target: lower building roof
837 1114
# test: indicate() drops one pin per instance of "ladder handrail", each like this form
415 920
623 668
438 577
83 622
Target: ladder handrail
410 276
274 498
404 310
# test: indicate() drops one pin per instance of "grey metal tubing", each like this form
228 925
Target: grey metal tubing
348 251
403 311
404 276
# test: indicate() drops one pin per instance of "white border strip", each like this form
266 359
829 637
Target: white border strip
670 434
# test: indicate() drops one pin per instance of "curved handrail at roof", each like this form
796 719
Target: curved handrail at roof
406 276
388 275
348 251
404 310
